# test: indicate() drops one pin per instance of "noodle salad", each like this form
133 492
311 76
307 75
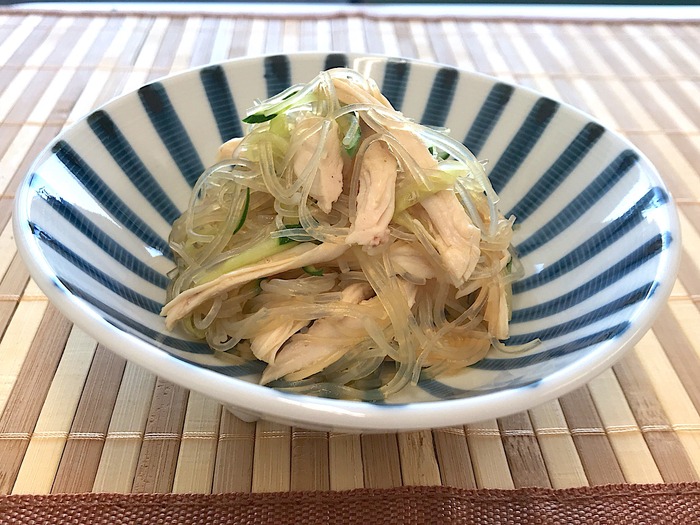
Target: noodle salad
348 248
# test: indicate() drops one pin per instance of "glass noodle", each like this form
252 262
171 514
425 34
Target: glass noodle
351 249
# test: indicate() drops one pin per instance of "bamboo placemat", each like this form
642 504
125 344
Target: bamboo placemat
77 418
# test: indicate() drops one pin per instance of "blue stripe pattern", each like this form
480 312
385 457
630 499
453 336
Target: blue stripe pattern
543 300
582 321
103 241
221 102
487 117
525 139
193 348
175 343
441 390
98 275
278 75
578 207
99 189
565 349
335 60
123 154
395 80
601 281
440 99
614 231
171 130
557 173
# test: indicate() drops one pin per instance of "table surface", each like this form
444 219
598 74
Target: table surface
77 418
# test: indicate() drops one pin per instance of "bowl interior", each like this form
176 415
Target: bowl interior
596 231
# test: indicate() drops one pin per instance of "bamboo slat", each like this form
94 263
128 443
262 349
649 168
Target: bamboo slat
419 465
557 446
16 85
488 456
16 343
155 470
380 457
675 452
202 51
83 448
234 456
683 54
345 461
454 460
76 418
18 36
43 455
197 454
525 460
309 460
222 36
127 427
681 346
460 54
7 249
24 403
389 40
689 273
623 432
15 279
241 37
257 37
594 449
272 457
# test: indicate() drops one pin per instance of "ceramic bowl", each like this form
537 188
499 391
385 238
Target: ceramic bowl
597 233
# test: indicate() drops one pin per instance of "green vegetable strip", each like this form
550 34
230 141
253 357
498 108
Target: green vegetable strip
257 118
351 140
279 105
285 240
244 215
257 253
312 270
442 155
410 193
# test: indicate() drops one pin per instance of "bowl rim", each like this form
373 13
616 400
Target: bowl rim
300 409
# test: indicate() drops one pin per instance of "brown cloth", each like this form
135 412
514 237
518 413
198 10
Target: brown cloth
675 504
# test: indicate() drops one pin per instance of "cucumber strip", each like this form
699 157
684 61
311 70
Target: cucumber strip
440 155
278 104
260 251
351 140
244 215
312 270
257 118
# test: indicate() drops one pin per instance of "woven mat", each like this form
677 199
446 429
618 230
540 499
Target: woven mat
75 418
610 504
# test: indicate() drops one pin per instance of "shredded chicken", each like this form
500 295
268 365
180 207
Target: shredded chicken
456 341
496 314
227 149
415 147
349 93
327 184
304 254
265 345
302 351
376 197
457 237
328 338
410 262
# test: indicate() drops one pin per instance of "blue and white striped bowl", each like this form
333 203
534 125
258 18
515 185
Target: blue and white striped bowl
597 232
